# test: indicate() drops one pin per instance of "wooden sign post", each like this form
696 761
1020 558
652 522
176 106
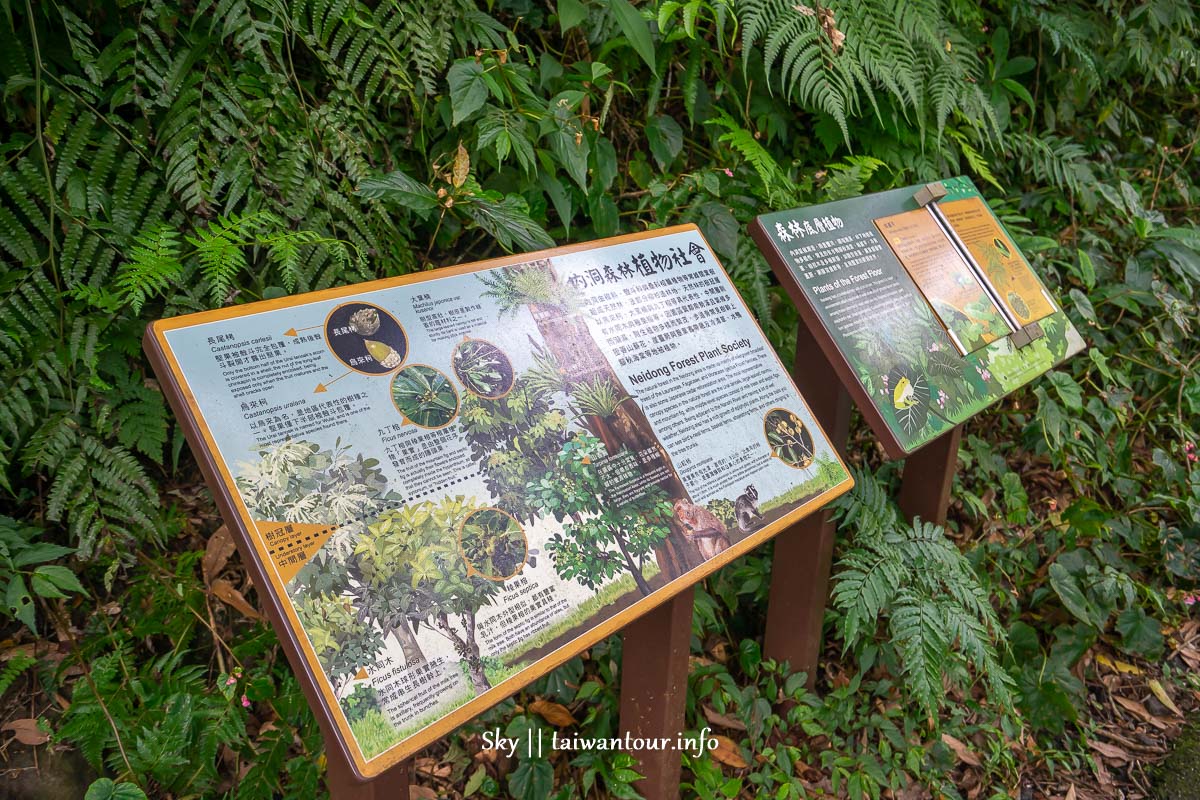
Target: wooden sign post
446 484
916 304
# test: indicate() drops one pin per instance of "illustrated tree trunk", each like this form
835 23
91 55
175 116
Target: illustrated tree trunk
467 650
643 587
570 342
407 639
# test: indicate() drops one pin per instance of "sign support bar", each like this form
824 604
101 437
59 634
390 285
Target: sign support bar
804 553
654 685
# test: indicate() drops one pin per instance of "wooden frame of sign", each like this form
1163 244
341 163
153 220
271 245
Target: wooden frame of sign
347 437
917 304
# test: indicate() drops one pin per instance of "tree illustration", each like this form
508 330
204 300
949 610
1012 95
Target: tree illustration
344 643
615 418
601 540
380 604
410 554
514 439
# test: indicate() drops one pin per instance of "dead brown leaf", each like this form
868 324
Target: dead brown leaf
1110 751
216 553
720 720
223 590
1070 793
462 166
422 793
1141 711
27 731
728 753
961 750
556 714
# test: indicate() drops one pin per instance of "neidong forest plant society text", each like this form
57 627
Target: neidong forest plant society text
702 355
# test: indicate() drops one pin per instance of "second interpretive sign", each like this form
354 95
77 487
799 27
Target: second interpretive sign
929 314
455 481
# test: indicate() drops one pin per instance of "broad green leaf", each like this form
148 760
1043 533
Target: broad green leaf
19 602
399 188
106 789
61 577
1140 633
636 30
468 88
570 14
1068 390
532 780
665 138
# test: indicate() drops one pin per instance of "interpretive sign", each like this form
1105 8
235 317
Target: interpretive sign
448 483
921 301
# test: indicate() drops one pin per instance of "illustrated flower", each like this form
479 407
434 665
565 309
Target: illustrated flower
987 376
934 347
942 398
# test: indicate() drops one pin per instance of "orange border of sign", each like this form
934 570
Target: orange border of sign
271 589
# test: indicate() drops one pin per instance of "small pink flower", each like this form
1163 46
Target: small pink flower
230 681
987 376
245 701
933 348
1190 600
728 172
1189 447
1053 504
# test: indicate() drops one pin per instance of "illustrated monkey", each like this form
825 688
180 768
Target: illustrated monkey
702 528
745 509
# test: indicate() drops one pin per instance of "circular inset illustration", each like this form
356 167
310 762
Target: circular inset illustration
482 368
366 338
493 544
999 244
788 438
424 396
1018 305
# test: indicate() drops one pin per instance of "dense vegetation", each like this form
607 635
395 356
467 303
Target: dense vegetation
165 156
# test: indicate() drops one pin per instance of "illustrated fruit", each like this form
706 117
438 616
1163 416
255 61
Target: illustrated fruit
383 353
1018 305
365 322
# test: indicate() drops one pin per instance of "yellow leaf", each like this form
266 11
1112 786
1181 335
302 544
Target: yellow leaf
1116 665
1164 698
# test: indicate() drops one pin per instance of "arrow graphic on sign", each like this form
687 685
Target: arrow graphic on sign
296 331
324 387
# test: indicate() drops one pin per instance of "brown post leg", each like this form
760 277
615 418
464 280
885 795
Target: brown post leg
928 477
804 552
391 785
654 672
